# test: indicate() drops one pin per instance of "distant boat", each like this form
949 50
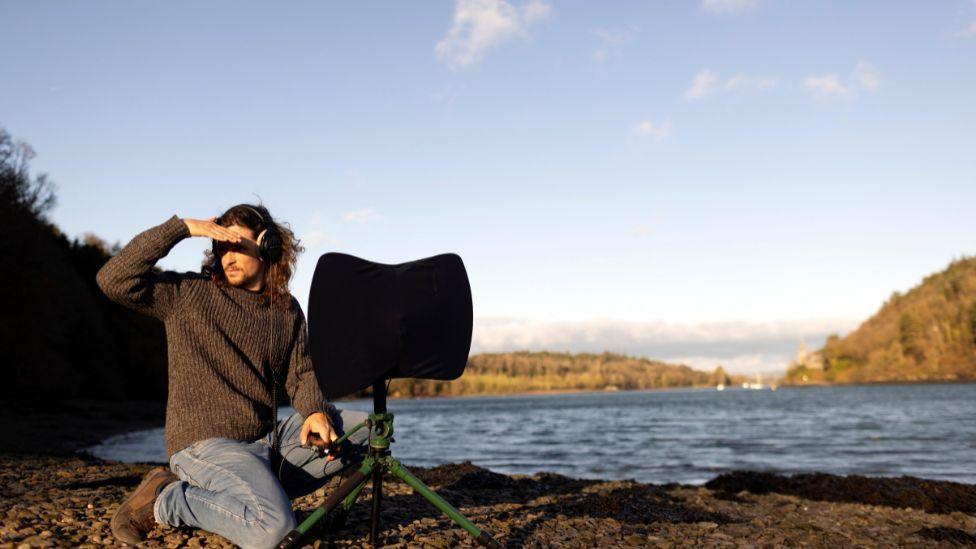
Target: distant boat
720 387
758 384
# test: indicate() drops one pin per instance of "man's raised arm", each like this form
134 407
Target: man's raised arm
128 277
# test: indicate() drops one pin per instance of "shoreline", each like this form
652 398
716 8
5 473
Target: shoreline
779 386
552 392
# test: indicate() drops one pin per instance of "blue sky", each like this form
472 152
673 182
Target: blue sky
698 181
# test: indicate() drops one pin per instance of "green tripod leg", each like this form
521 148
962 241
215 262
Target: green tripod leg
345 494
399 470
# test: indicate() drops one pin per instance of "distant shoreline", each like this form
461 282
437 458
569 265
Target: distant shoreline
550 392
779 386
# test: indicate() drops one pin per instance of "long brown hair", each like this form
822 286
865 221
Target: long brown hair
276 275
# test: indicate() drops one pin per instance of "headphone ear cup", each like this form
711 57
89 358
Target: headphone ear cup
213 241
272 245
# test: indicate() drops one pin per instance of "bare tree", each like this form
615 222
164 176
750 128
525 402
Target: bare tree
18 189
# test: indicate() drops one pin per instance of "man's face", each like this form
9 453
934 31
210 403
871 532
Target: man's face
241 261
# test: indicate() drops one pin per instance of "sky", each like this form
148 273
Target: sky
708 182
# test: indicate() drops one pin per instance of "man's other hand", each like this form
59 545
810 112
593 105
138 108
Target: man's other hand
318 423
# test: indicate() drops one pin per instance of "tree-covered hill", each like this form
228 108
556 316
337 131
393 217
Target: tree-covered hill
926 334
518 372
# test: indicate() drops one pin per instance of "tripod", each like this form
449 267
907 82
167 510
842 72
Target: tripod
379 460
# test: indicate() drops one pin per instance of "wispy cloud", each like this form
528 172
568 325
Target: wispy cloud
612 42
741 347
535 10
701 85
480 25
827 86
707 82
361 216
729 6
864 77
969 31
657 132
316 239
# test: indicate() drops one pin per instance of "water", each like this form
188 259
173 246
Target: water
686 436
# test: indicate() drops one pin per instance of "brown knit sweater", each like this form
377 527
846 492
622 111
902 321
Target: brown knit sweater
220 382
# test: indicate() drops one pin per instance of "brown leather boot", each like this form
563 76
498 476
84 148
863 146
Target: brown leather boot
134 518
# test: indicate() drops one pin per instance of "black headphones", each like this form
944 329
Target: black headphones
270 243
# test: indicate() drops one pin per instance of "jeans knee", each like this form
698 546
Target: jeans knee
274 530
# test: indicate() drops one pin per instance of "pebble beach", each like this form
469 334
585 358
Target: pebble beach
51 501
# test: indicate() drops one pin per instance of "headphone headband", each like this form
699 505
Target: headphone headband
257 212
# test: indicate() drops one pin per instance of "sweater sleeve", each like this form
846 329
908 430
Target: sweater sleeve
128 278
302 385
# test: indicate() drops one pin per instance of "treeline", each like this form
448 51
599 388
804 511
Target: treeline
60 337
519 372
926 334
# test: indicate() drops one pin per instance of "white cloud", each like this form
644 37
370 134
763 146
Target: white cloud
729 6
970 30
746 364
612 42
361 216
706 83
480 25
864 77
741 347
827 86
703 84
535 10
316 239
657 132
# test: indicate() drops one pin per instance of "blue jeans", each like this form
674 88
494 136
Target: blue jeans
227 486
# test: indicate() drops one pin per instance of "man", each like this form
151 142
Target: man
233 331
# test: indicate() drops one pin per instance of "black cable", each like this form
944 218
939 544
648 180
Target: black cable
275 437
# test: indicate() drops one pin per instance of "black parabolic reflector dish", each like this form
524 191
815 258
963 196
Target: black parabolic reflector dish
371 321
